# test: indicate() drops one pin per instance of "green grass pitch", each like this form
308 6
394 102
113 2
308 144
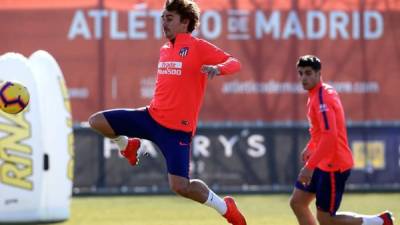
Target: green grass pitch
172 210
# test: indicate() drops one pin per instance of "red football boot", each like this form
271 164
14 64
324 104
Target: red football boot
131 151
387 218
233 214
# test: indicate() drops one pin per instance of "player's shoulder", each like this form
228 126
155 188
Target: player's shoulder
328 89
328 94
202 42
166 45
199 40
194 40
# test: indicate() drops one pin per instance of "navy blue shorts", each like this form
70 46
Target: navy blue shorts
328 188
174 144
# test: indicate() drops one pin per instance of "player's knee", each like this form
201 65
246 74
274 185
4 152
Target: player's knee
296 204
94 121
99 123
180 188
324 218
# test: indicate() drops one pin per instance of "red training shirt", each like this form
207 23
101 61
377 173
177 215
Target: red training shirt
328 144
180 84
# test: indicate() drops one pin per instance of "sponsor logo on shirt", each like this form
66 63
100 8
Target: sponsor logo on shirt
170 68
184 51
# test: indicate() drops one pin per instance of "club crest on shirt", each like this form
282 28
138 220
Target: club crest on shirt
184 51
323 108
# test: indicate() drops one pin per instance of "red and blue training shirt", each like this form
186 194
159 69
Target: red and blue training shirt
180 84
328 144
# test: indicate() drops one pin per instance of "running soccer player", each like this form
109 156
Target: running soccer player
327 156
170 120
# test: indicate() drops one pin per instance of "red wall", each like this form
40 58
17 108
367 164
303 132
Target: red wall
116 67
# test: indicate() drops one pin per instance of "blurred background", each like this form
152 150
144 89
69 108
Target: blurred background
253 125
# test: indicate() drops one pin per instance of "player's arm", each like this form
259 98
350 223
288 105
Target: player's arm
328 142
215 61
309 149
230 66
306 174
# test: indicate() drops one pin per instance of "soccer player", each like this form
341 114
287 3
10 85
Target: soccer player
169 121
327 157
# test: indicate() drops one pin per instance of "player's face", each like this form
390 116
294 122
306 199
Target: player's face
308 77
172 24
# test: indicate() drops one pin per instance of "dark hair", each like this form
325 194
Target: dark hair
186 9
309 60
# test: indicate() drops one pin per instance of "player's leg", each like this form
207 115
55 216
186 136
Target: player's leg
343 219
99 123
300 204
175 146
329 192
193 189
119 124
177 156
198 191
349 218
301 199
329 199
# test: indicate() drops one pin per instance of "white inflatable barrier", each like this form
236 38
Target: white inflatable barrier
36 145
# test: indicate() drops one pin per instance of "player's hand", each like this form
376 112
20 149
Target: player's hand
305 176
305 155
210 70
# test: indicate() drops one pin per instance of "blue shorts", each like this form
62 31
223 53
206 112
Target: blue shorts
174 144
328 188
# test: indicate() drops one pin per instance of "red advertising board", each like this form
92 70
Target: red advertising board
108 51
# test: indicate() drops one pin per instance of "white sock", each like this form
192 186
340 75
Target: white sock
214 201
121 141
371 220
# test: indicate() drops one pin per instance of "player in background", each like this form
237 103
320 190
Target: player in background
170 120
327 157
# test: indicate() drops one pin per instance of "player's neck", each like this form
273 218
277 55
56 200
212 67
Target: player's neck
180 36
